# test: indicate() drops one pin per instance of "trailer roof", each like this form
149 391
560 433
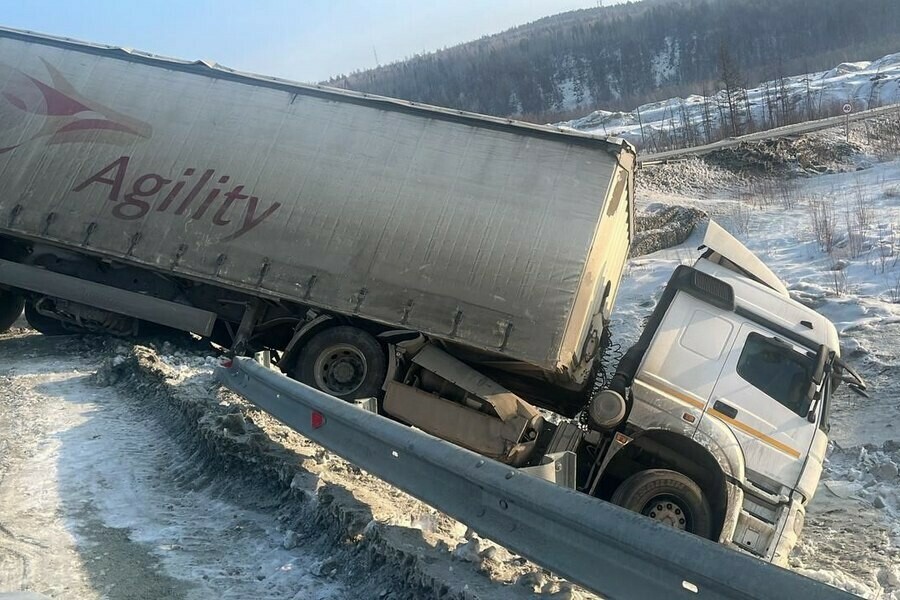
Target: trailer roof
215 70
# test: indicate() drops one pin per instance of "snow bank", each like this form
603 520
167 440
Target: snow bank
394 545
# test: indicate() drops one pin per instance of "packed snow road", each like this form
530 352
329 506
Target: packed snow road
99 500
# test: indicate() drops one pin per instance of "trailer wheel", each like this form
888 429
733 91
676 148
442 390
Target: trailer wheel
11 305
668 497
344 361
42 323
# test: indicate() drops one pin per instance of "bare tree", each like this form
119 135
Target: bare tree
641 125
731 78
745 97
770 118
721 106
809 102
781 92
707 118
689 137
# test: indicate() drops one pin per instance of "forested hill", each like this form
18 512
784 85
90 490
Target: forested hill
620 56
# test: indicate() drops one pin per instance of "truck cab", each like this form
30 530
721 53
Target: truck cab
715 422
727 395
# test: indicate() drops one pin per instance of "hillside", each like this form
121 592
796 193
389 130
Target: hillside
694 120
618 57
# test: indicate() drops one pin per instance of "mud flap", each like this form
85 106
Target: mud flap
558 468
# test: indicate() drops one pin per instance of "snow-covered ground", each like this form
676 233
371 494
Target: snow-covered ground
863 84
127 473
99 500
851 274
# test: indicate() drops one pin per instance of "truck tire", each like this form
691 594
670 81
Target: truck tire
668 497
43 324
344 361
11 305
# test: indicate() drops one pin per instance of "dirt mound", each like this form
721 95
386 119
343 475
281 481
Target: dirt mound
879 137
692 175
782 156
664 228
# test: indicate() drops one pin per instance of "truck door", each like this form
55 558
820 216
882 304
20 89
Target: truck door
761 393
678 374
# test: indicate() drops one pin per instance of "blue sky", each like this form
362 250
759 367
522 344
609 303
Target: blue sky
306 40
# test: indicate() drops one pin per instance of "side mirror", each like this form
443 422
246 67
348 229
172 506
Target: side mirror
821 361
849 376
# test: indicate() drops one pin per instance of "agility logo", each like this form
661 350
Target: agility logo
54 112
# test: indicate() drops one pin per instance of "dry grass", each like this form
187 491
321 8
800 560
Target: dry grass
821 214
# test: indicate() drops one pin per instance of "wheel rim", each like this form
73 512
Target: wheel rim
340 369
668 510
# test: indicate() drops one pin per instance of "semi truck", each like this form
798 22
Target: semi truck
460 269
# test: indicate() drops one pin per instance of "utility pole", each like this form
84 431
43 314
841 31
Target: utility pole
375 52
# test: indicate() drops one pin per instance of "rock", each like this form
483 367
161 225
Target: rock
234 423
886 471
892 576
371 528
565 592
490 553
291 540
878 502
891 446
328 567
534 580
468 551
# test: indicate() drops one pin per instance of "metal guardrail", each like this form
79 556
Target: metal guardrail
768 134
602 547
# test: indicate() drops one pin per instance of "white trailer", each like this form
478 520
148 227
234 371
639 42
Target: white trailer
503 238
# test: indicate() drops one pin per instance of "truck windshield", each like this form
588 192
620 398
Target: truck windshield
777 370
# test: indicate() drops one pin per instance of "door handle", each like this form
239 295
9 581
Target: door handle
725 409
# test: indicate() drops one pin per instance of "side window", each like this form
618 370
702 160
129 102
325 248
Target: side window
777 370
706 334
